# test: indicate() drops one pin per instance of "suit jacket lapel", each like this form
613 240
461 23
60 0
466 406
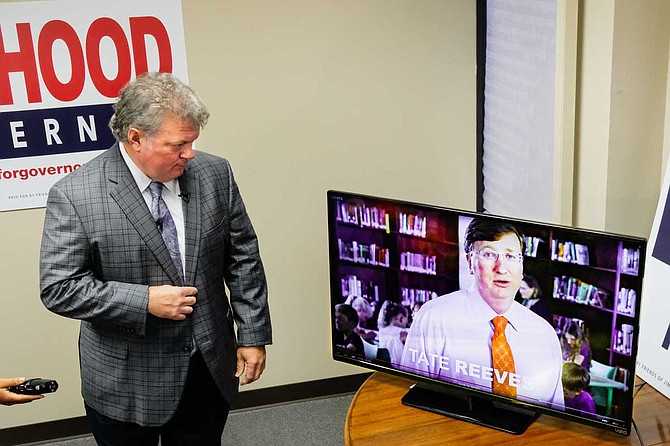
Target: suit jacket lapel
190 188
127 195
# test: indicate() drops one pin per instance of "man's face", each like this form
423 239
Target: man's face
498 278
164 155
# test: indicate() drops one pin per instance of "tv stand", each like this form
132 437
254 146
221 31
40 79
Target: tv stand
376 416
478 410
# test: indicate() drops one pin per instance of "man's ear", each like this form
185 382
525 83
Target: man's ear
135 138
468 258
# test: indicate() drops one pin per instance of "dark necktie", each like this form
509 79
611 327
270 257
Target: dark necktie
503 361
166 225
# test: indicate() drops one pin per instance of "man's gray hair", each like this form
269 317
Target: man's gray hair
144 102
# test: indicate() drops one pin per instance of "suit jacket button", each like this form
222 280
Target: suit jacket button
187 348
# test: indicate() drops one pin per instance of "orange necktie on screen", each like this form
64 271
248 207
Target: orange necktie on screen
503 361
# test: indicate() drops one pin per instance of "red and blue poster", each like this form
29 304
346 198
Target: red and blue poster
62 64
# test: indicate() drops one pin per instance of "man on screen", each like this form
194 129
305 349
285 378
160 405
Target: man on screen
481 337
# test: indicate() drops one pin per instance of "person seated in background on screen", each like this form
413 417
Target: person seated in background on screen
365 312
575 380
481 337
392 325
346 319
8 398
575 346
414 309
530 296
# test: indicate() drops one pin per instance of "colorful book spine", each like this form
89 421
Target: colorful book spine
418 263
410 296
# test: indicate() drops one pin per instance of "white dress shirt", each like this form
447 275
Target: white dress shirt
170 195
450 340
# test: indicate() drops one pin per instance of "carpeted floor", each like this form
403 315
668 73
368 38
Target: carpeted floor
315 422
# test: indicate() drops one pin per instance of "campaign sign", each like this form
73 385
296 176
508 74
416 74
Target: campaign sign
653 363
62 64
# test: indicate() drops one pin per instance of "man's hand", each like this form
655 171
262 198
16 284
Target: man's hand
8 398
171 302
250 363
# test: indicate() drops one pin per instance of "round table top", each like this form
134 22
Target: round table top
376 416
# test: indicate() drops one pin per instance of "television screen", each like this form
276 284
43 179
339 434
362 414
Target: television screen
496 319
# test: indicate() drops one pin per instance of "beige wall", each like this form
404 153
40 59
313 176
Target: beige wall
639 80
666 125
594 73
622 80
375 97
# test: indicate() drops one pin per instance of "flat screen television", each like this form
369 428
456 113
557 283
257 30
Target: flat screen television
415 289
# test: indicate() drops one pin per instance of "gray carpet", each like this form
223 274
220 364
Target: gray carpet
314 422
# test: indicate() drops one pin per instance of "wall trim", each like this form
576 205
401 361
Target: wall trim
77 426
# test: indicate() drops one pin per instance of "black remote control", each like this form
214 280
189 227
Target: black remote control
35 386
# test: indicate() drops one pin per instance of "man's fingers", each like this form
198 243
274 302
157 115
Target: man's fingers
187 310
239 369
189 290
252 372
250 363
6 382
171 302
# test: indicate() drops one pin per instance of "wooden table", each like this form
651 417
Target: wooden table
377 417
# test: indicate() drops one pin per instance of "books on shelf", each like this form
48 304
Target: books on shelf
353 286
626 301
410 296
574 290
630 261
531 245
412 225
347 213
363 216
370 254
418 263
569 252
622 340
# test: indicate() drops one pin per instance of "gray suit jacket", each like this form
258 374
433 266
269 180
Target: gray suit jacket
101 250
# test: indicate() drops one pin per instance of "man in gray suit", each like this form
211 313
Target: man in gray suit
140 244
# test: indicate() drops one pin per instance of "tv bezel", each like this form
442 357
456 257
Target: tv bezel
526 413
